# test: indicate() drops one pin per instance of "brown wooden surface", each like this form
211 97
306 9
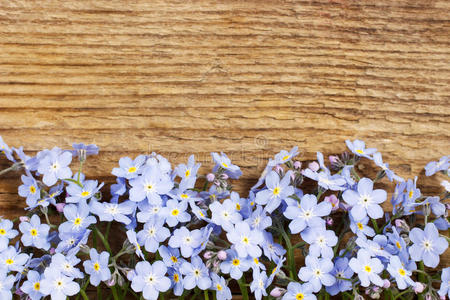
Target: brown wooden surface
245 77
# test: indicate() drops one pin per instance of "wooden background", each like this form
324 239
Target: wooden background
245 77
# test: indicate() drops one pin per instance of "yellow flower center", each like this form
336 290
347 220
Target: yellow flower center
245 240
33 232
85 193
256 261
276 191
360 226
367 269
132 170
77 221
224 165
37 286
359 151
411 193
187 173
398 245
9 261
236 262
184 196
96 267
252 203
286 157
238 206
299 296
174 259
2 231
175 212
176 278
401 272
219 287
32 189
274 270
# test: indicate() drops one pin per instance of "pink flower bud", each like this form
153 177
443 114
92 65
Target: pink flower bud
442 297
386 283
60 207
428 297
334 201
278 168
210 177
24 219
222 255
224 176
216 263
111 281
329 221
333 159
216 182
18 292
52 251
314 166
292 175
208 254
277 292
297 164
418 288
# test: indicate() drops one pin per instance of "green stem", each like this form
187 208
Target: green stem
299 245
114 292
244 291
290 252
102 238
108 229
83 294
7 170
205 292
82 290
375 226
402 293
99 292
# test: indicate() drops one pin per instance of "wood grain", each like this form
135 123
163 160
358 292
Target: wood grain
245 77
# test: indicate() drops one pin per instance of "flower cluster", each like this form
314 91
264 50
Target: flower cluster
177 232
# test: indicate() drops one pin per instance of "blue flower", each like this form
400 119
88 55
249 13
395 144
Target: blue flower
272 251
66 265
317 272
400 273
307 213
285 156
223 162
129 168
358 147
235 265
170 256
195 274
320 241
55 165
78 193
365 201
259 284
177 281
445 284
58 285
219 284
428 245
83 150
242 205
175 212
435 166
12 260
259 219
78 218
152 234
186 240
378 160
97 267
397 245
5 149
132 238
276 191
436 206
246 240
113 211
30 190
71 241
6 233
367 268
189 171
6 285
373 246
341 270
32 286
360 227
34 233
151 185
150 279
296 291
225 214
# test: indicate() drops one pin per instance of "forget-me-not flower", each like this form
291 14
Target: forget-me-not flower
12 260
400 273
30 190
317 272
428 245
55 165
435 166
195 274
84 193
235 265
66 265
58 285
341 272
175 212
6 233
150 279
224 214
113 211
246 240
445 284
32 286
277 190
307 213
358 147
78 218
34 233
152 234
186 240
151 185
367 268
297 291
365 200
219 284
320 240
6 284
129 168
222 161
259 284
97 267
